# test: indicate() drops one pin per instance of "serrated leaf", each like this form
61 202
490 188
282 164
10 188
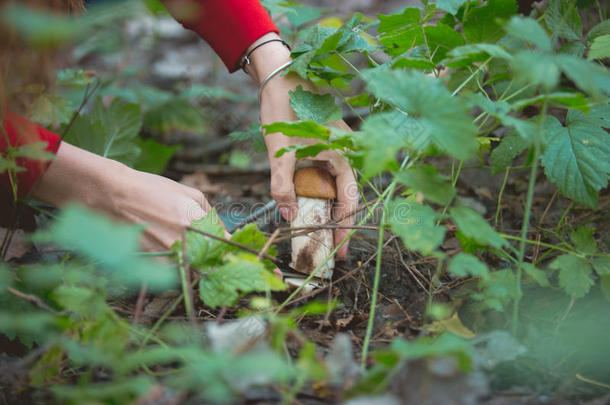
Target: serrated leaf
424 178
562 19
602 265
583 239
539 276
600 48
252 237
51 110
503 155
200 249
416 225
154 156
443 120
574 274
451 6
576 158
243 273
301 129
472 224
464 265
309 106
484 24
529 30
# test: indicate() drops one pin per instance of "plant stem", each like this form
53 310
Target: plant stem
528 211
504 181
369 327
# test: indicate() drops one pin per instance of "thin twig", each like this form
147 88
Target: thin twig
237 245
343 277
34 300
268 243
186 275
139 304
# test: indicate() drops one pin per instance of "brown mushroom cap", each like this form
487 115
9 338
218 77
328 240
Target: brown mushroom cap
314 182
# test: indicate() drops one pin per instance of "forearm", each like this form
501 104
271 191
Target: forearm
77 175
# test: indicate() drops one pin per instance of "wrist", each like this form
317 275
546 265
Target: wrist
266 58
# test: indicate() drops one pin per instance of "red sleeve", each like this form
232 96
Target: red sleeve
229 26
22 132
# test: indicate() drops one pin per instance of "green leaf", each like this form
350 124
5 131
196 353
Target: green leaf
529 30
538 275
424 178
50 110
200 249
560 99
35 151
109 132
536 68
154 156
112 246
382 136
254 133
503 155
444 345
602 265
174 115
472 224
498 291
252 237
484 24
309 106
574 274
588 76
576 158
416 225
242 273
468 54
301 129
603 28
464 264
442 119
562 19
583 239
605 286
451 6
600 48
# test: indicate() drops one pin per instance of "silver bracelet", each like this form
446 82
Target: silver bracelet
270 76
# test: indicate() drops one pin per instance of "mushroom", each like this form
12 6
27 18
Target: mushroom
315 189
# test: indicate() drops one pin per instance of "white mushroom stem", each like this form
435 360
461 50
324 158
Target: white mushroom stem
311 250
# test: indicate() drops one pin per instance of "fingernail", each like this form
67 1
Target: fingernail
286 213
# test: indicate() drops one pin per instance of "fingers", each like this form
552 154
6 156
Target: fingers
282 187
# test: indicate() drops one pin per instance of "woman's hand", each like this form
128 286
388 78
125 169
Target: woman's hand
128 195
275 106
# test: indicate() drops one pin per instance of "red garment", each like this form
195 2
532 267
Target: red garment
229 26
22 132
